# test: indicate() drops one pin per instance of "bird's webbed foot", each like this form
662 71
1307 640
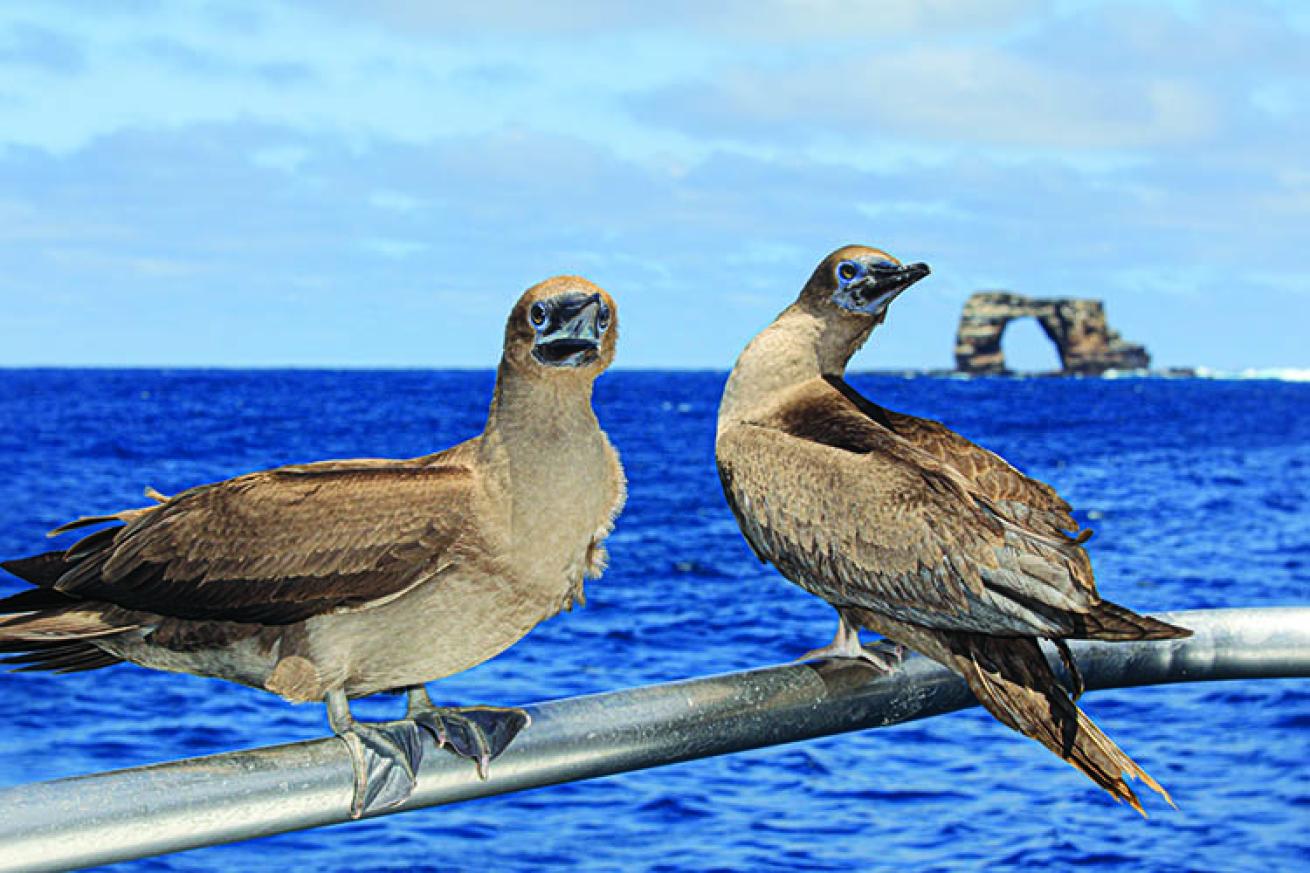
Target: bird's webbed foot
476 733
883 657
386 756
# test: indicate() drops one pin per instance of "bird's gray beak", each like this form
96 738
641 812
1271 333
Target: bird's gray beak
572 336
875 290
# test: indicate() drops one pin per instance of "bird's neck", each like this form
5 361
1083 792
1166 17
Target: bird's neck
799 346
544 456
535 415
543 445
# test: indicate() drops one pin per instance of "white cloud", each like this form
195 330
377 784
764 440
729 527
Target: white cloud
287 158
186 218
937 93
396 201
757 20
395 249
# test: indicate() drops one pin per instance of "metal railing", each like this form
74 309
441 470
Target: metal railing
169 807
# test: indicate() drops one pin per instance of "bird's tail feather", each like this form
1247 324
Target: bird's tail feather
61 639
35 600
1110 621
1012 678
42 570
59 657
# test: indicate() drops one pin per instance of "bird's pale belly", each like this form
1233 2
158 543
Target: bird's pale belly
439 629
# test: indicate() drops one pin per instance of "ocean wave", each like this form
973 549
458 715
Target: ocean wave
1268 374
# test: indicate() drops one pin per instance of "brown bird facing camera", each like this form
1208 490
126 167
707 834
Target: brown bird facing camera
339 579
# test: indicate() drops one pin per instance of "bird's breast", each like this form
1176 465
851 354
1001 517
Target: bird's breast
558 505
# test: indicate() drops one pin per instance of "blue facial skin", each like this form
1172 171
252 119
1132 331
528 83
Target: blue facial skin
849 272
870 287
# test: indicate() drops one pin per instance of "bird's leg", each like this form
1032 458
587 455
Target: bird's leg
386 756
846 645
477 733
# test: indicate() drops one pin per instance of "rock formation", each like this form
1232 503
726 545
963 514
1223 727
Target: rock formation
1077 326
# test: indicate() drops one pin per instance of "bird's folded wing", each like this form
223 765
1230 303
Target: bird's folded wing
867 519
1032 501
283 545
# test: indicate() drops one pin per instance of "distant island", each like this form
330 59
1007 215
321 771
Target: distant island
1077 326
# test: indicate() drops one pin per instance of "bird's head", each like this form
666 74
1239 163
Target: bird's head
562 325
859 282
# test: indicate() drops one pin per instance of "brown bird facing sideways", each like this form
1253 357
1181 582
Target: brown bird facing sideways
339 579
907 528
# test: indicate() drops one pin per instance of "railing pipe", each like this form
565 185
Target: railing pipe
135 813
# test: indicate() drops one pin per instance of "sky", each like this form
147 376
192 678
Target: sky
373 184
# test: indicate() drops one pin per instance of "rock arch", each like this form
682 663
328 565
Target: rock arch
1077 327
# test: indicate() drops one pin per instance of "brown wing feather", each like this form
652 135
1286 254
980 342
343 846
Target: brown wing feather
1031 501
862 517
279 546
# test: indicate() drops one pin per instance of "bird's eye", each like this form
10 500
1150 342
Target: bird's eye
847 271
537 314
603 318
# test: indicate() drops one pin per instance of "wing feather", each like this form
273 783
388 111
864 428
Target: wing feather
282 545
1027 501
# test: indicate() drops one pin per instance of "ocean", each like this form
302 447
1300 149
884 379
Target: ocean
1198 490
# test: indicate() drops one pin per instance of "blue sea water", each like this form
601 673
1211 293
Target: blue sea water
1197 490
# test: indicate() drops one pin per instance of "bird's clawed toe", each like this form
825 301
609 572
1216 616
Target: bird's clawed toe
386 757
882 658
830 652
476 733
885 657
